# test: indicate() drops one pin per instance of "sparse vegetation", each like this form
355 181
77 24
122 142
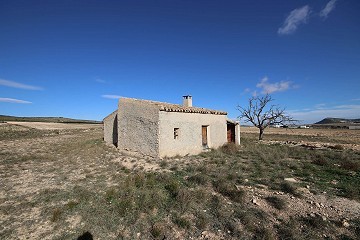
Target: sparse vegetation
277 202
73 183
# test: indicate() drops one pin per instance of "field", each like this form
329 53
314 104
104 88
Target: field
60 181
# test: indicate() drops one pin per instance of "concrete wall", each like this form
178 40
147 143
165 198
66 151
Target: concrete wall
189 140
110 129
138 125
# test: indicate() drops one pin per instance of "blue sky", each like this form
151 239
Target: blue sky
74 58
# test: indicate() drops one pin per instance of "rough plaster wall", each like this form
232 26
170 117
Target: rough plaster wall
138 125
190 134
110 128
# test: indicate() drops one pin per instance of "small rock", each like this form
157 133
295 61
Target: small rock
307 186
312 215
334 182
204 233
254 201
345 223
317 205
290 180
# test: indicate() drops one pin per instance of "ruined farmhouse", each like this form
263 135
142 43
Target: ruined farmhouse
163 130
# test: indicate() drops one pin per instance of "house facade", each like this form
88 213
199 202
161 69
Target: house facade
164 130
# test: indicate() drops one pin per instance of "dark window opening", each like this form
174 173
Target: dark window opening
176 133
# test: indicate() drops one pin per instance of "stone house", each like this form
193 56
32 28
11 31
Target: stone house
163 130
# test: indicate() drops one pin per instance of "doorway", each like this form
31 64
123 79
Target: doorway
204 131
230 132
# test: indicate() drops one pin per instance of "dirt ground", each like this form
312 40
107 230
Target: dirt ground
30 168
349 139
53 126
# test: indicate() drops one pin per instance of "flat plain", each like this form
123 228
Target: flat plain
59 181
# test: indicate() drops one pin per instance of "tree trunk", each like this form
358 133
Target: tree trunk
261 133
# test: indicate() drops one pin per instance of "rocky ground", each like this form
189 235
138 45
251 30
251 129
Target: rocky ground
36 172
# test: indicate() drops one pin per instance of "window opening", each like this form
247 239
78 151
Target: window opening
176 133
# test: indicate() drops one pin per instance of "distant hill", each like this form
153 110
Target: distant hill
338 120
4 118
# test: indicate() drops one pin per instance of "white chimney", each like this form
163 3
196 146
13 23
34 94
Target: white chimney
187 101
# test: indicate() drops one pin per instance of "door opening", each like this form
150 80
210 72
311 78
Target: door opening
204 130
231 133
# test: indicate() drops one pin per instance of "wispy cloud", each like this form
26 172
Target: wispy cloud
111 96
99 80
13 100
320 106
267 87
296 17
14 84
350 111
330 6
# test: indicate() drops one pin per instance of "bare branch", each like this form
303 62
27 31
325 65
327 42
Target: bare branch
261 115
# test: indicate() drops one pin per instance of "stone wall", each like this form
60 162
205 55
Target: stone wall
110 129
138 124
189 140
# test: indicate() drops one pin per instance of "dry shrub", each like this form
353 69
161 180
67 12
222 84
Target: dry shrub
320 162
229 148
337 147
350 165
158 231
199 179
228 189
289 188
56 214
276 202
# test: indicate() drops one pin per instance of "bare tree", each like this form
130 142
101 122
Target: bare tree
261 114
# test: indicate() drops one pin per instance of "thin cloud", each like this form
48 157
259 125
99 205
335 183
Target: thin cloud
99 80
330 6
296 17
13 100
269 88
111 96
14 84
320 106
339 111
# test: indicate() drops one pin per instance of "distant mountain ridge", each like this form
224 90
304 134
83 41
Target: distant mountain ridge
338 120
5 118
